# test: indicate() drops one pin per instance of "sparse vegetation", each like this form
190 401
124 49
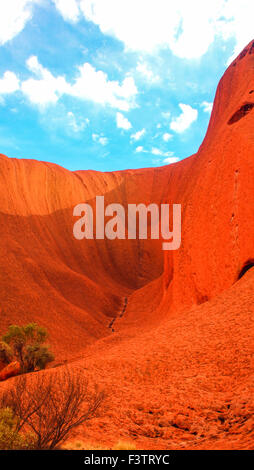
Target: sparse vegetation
50 407
25 345
6 354
125 445
10 437
80 445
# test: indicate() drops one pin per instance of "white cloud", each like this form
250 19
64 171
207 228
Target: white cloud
76 126
186 27
47 88
156 151
146 72
14 14
170 160
147 25
103 141
140 149
90 84
9 83
238 23
165 157
69 9
100 138
161 153
207 106
94 85
166 137
184 121
138 135
122 122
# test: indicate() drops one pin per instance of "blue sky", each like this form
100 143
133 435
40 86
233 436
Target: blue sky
113 84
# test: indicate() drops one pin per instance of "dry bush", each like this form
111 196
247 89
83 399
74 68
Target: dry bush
10 438
80 445
124 445
51 406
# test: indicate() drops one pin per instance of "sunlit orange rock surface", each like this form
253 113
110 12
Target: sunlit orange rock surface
178 368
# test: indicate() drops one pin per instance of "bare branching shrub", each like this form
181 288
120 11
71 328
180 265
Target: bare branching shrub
51 406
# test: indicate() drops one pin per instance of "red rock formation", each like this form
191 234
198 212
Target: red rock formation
178 369
10 371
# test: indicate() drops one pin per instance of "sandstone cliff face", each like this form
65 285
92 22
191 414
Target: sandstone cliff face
215 188
47 275
217 194
185 341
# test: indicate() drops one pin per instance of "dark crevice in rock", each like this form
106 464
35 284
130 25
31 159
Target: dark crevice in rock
202 299
240 113
243 54
249 265
251 51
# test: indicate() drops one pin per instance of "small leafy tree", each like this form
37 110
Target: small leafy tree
6 354
25 344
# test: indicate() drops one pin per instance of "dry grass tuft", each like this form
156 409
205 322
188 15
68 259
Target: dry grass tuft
80 445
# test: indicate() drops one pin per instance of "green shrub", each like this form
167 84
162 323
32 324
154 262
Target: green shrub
6 354
25 344
10 437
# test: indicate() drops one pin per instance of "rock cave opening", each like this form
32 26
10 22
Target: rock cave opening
247 266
